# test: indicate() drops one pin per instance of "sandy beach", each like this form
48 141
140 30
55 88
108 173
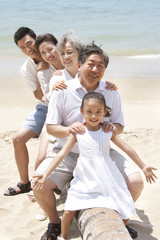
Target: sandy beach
142 131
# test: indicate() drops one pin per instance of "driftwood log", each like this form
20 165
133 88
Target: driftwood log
101 224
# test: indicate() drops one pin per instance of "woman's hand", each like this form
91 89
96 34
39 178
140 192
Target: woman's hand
59 85
38 181
57 73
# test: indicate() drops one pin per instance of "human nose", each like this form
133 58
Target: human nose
48 54
95 69
66 55
93 115
28 49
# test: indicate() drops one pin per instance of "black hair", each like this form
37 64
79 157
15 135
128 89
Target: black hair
91 49
98 96
23 31
48 37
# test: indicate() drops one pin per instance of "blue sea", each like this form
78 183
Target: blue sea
128 30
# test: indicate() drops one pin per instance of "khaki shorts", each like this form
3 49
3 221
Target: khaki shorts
64 172
125 167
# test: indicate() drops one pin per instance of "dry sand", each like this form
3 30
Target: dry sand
142 131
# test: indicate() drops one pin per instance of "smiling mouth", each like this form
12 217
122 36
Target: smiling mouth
68 62
31 53
93 120
50 59
94 76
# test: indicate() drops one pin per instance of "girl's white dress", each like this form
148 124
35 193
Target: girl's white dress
97 181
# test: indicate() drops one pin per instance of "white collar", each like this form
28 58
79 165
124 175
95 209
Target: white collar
76 84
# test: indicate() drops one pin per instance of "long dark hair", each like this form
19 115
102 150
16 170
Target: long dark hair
96 95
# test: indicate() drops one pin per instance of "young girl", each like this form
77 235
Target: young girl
97 181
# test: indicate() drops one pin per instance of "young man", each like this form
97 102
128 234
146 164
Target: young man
25 39
64 117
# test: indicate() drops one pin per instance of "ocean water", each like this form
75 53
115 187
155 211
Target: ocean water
128 30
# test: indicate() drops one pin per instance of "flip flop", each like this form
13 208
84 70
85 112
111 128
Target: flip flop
30 197
23 188
132 232
41 216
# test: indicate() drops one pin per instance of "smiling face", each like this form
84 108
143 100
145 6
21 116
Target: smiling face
49 52
92 71
69 57
27 46
93 112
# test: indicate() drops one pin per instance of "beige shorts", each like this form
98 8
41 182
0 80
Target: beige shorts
64 172
125 167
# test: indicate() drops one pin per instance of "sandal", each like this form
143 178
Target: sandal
52 232
24 188
132 232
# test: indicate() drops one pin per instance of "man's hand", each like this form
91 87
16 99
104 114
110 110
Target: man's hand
107 127
110 86
42 66
77 128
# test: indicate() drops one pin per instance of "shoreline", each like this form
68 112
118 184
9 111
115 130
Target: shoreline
140 99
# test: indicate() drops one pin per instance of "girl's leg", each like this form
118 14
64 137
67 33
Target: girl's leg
66 222
125 221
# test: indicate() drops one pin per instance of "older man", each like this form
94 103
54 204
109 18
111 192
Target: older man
64 117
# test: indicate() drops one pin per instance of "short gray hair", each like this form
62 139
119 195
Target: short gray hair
73 39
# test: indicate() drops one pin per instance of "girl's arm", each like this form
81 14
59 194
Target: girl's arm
150 176
39 179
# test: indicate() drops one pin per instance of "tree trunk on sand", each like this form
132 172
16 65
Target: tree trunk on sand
102 224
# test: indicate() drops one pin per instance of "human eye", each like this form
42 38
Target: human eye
50 49
29 43
99 111
101 65
70 52
89 112
61 53
90 65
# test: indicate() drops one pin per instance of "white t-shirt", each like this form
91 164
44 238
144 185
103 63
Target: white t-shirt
65 76
64 106
28 72
44 77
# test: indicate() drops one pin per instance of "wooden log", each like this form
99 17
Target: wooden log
102 224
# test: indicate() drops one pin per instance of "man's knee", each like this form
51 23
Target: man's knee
48 186
135 185
17 139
